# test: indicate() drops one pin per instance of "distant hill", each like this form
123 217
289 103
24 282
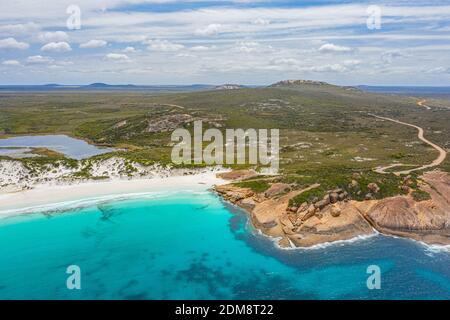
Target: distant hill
229 87
52 85
315 87
107 87
286 83
98 85
104 85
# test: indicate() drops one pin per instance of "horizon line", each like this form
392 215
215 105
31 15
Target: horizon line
212 85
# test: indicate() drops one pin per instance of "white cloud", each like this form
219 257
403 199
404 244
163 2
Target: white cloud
437 70
56 36
64 63
261 22
186 55
13 63
344 66
11 43
39 59
284 62
128 37
329 47
57 47
389 56
211 30
18 29
118 57
292 31
202 48
251 47
351 63
336 67
163 45
93 44
129 50
137 71
291 64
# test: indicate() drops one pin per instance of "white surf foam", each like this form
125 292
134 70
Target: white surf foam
87 202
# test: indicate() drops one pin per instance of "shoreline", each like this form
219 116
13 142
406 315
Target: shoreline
346 220
85 193
324 245
55 196
432 248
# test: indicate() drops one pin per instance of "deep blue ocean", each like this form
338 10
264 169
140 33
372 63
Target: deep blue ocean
194 246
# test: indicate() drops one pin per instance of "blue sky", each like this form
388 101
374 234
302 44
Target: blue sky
215 42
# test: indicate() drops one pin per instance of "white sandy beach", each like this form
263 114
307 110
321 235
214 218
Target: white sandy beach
44 195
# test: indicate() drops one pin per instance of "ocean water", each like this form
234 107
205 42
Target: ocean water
71 147
191 245
426 92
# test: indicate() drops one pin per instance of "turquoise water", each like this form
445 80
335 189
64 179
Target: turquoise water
194 246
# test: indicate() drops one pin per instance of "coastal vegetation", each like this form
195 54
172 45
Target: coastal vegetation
327 135
420 195
255 185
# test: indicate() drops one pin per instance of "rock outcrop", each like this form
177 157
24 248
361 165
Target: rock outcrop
427 221
336 217
277 189
303 226
298 82
338 222
237 175
168 123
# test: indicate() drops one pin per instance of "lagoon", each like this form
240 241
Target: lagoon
71 147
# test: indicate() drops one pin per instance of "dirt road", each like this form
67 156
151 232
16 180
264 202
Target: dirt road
438 161
422 104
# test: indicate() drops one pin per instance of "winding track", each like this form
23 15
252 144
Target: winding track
438 161
422 104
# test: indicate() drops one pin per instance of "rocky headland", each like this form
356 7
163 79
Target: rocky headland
338 217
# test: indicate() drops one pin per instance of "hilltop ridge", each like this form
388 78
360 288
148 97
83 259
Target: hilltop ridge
314 86
229 86
299 82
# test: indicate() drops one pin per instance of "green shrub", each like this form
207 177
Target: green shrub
420 195
256 186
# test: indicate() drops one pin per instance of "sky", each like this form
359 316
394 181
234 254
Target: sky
260 42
